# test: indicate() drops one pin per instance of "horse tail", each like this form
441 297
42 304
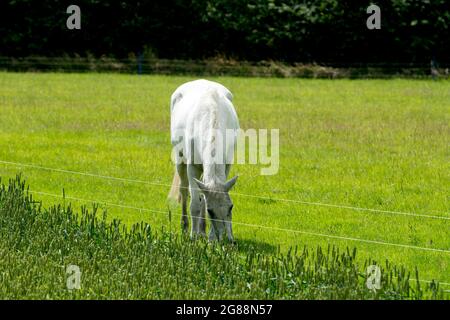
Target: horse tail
174 193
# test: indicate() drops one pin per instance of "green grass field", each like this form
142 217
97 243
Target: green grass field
39 246
378 144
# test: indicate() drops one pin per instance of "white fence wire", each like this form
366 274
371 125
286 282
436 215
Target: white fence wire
412 214
315 234
123 206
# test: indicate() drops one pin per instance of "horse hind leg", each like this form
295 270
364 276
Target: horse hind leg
202 217
184 193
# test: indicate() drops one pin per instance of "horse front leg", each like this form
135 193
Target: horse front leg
212 234
197 203
202 222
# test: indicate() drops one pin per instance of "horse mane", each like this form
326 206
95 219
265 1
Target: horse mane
214 98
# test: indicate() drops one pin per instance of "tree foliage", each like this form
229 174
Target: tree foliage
288 30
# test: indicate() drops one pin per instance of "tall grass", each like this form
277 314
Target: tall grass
37 244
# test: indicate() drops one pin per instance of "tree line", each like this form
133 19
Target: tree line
322 31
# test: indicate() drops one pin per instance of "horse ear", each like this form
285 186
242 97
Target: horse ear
230 183
201 185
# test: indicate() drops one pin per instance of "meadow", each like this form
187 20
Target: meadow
344 144
39 246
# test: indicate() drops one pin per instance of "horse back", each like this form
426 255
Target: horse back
196 108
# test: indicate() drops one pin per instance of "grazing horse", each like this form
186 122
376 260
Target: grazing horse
204 126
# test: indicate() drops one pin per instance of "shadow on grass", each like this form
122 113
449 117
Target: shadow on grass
247 245
241 245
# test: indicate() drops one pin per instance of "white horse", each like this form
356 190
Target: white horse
202 117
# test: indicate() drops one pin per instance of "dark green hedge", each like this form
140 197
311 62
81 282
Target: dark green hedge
413 31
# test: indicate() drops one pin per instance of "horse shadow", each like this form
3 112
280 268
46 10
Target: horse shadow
248 245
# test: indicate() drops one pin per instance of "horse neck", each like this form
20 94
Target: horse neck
214 171
214 174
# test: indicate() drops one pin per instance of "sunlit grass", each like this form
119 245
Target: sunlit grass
380 144
41 248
